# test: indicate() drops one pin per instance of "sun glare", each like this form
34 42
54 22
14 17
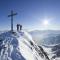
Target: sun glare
45 22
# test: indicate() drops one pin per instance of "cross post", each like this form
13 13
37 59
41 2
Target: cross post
11 15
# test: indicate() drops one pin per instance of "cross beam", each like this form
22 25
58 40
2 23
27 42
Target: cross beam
11 15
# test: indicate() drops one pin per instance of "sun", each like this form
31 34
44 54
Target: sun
45 22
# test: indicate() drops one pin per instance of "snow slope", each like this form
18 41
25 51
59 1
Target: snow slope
50 41
20 46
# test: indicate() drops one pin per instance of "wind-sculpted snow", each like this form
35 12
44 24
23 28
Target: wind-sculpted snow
20 46
9 50
53 51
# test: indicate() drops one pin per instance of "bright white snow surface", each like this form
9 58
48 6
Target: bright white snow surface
19 46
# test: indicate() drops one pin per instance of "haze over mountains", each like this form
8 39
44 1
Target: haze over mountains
46 36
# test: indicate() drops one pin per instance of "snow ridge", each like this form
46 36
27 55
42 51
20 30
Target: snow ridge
20 46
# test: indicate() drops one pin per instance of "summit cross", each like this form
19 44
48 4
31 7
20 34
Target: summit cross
11 15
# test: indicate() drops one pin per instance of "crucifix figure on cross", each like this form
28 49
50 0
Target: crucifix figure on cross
11 15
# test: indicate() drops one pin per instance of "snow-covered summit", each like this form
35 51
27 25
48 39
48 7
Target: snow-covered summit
20 46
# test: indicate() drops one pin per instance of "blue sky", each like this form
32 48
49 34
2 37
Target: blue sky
31 14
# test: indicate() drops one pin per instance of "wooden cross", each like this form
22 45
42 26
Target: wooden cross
11 15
